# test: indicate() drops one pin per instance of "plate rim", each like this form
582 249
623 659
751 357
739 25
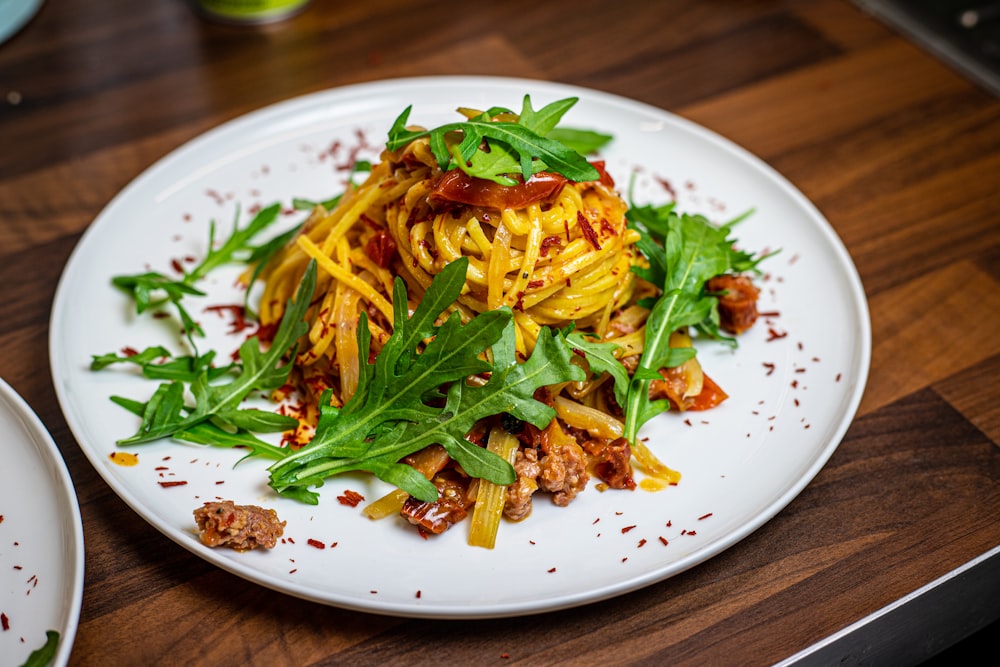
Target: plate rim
373 88
42 444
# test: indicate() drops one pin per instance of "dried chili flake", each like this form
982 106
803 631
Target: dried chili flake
769 367
588 231
351 498
704 516
238 312
773 334
169 484
551 570
663 540
641 543
315 543
4 621
628 529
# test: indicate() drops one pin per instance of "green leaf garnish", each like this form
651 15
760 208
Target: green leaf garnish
399 407
684 251
500 150
43 656
151 290
166 412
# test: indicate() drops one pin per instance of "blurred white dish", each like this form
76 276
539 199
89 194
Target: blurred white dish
41 537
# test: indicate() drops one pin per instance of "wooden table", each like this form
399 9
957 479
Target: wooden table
901 154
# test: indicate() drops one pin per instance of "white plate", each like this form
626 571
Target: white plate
41 537
742 462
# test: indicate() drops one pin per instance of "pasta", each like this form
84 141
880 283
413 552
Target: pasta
559 253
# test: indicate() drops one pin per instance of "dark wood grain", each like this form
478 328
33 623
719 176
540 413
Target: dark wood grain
899 152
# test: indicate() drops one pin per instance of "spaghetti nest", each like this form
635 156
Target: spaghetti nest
555 252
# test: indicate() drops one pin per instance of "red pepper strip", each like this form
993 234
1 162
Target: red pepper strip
457 187
711 395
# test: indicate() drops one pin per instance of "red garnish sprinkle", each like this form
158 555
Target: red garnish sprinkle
176 265
293 570
551 570
624 559
837 379
627 529
704 516
642 543
315 543
588 231
238 313
166 484
668 187
4 621
664 540
769 366
351 498
690 532
775 335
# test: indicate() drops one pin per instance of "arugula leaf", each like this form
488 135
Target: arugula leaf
583 142
397 409
601 358
143 287
207 433
497 150
238 241
152 290
684 251
158 364
43 655
166 413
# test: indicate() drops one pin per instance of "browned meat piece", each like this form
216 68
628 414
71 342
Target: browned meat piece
612 462
240 527
451 507
737 302
564 469
517 503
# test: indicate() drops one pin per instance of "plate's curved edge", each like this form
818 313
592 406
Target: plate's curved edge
46 446
852 403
